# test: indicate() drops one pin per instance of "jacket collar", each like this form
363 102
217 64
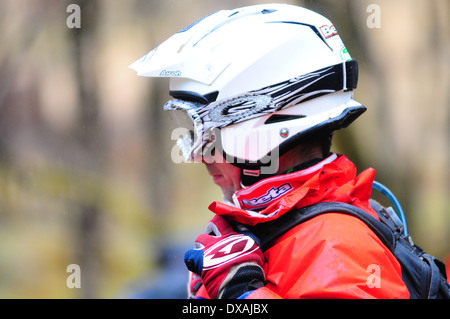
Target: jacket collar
333 179
263 193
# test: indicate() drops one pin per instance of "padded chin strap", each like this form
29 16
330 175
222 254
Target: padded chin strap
253 175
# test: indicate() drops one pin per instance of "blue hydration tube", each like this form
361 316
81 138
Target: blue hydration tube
398 208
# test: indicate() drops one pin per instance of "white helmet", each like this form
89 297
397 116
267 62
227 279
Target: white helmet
258 79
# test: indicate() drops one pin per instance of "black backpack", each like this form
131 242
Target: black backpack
424 275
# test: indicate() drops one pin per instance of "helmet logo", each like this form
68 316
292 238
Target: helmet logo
170 73
328 31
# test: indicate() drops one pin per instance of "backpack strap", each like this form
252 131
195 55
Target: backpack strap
424 275
269 231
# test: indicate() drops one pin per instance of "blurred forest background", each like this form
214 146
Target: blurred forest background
86 175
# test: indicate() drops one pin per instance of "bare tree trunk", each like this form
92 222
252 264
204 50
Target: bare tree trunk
160 175
88 136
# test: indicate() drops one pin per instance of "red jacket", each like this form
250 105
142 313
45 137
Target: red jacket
329 256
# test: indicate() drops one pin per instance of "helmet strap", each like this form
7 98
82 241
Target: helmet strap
250 176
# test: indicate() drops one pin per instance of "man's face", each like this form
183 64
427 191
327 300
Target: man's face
225 175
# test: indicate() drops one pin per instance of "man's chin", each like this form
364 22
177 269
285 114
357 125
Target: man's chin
218 180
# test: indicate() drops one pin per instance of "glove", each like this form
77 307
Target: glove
229 263
194 283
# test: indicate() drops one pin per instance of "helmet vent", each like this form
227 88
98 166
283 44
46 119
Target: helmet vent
194 96
275 118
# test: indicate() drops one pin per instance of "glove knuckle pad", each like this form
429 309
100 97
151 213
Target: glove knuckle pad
227 250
